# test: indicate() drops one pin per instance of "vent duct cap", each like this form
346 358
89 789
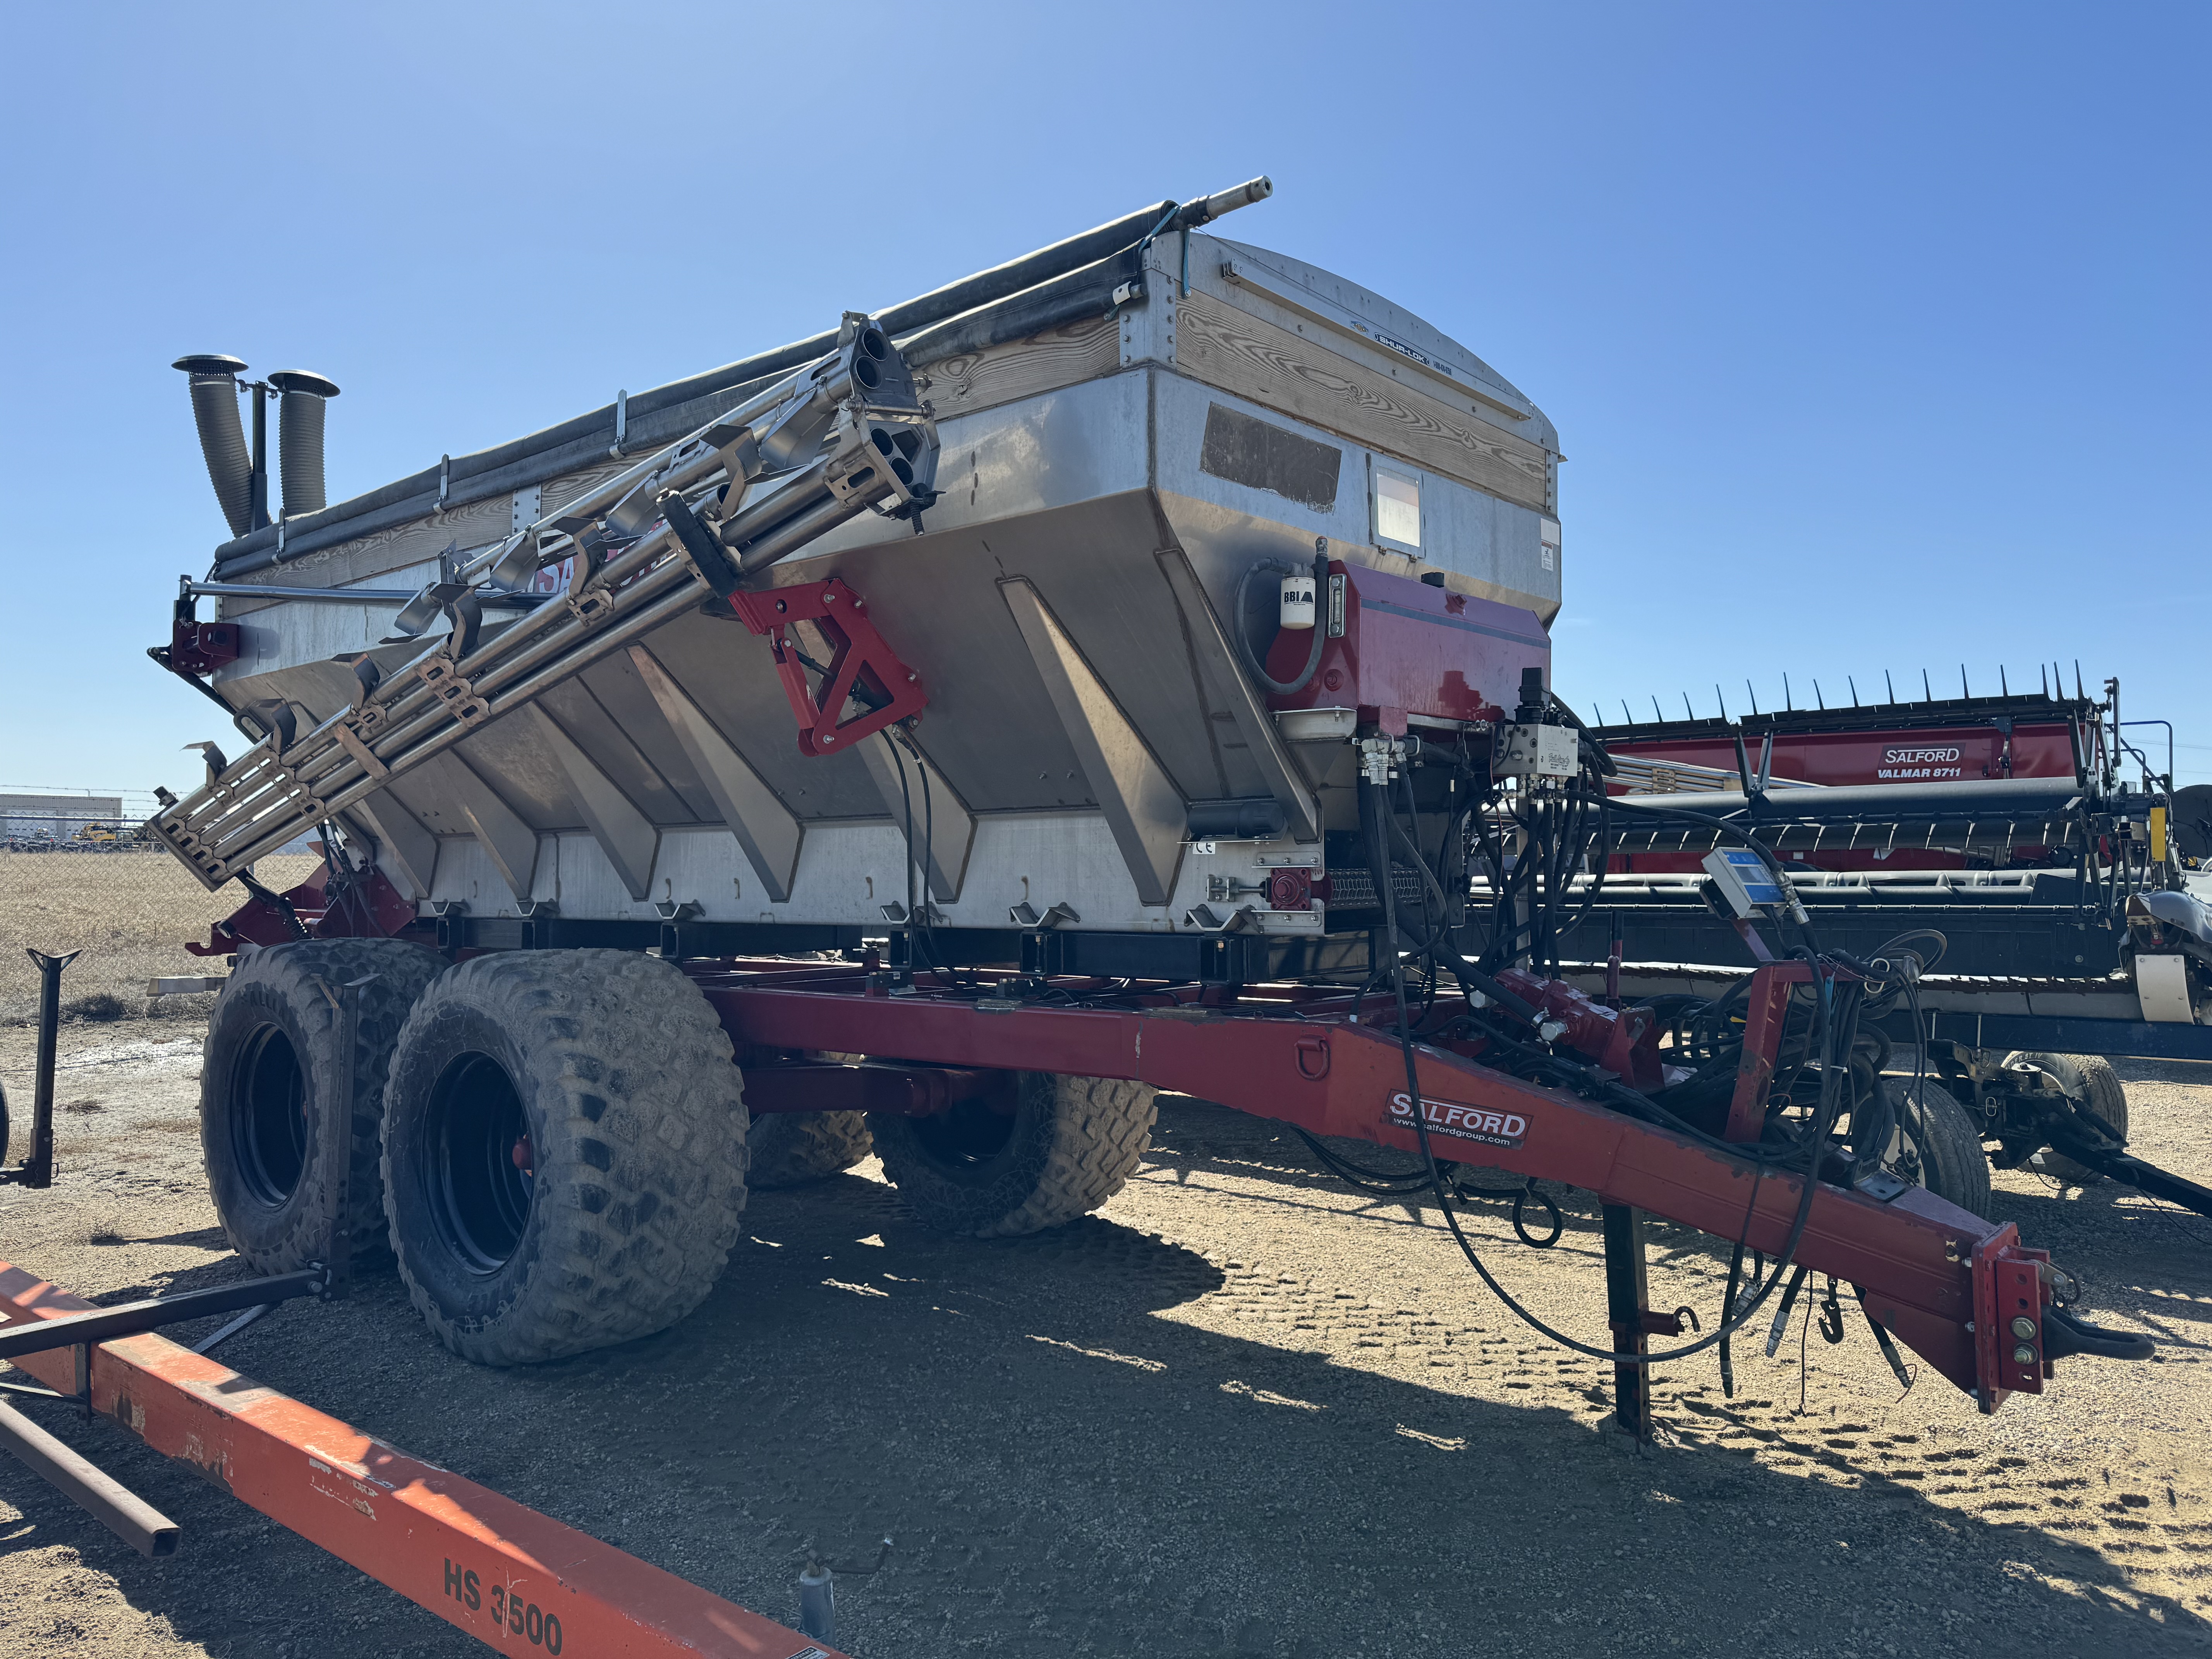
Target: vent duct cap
300 437
223 436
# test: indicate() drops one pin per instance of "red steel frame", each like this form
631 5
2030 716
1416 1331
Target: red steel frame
1302 1055
514 1579
1764 1005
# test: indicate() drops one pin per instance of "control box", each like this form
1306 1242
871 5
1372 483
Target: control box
1535 751
1745 882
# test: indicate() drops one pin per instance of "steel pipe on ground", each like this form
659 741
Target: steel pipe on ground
98 1493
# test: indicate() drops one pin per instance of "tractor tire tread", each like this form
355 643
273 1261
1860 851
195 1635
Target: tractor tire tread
1107 1127
1077 1142
403 971
789 1149
627 1064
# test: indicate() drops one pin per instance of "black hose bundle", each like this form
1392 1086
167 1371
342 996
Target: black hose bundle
1826 1071
1735 1318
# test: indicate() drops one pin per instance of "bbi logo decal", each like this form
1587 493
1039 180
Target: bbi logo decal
1460 1122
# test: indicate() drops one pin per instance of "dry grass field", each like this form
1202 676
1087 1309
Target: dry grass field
130 913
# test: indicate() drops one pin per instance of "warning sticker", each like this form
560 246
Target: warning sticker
1444 1117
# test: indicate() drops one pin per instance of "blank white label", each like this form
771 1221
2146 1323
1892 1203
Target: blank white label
1397 509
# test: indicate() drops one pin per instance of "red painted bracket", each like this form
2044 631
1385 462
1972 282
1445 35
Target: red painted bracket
862 666
1765 1005
373 909
199 648
1622 1041
2010 1290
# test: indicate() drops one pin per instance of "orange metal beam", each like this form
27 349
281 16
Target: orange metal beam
516 1579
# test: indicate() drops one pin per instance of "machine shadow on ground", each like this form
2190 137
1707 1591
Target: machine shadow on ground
1070 1462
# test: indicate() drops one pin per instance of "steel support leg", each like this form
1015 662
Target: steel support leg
1627 1298
38 1170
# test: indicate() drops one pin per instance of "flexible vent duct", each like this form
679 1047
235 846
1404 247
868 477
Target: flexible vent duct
222 438
299 438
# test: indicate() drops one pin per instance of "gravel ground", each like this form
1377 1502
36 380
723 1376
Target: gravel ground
1238 1411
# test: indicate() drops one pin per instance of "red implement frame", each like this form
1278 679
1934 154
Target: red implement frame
1764 1005
509 1576
861 665
1301 1055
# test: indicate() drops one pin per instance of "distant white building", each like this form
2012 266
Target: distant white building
58 816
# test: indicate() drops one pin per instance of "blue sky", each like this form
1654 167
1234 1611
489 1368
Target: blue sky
1875 335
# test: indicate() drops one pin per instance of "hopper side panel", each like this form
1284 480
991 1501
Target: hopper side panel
622 695
611 746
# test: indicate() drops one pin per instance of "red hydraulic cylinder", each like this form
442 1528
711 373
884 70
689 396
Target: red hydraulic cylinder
1621 1039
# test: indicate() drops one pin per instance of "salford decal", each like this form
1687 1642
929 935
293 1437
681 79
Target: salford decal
1462 1122
1901 765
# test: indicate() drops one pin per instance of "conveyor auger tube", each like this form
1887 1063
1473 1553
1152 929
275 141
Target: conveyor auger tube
844 436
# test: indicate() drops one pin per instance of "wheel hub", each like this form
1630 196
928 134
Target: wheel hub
269 1116
485 1178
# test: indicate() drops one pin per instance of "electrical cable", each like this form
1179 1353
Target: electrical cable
1379 1181
1380 870
1530 1189
906 801
1728 1306
929 857
1727 1327
1553 840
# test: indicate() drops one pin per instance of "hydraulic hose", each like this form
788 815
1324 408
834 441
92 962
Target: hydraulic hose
1373 830
1733 1320
1253 665
1833 1038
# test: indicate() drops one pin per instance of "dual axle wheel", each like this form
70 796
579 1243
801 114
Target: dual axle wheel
555 1145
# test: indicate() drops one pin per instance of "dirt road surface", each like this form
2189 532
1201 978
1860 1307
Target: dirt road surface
1240 1412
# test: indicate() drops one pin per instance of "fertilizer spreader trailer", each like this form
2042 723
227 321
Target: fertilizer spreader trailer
1163 624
